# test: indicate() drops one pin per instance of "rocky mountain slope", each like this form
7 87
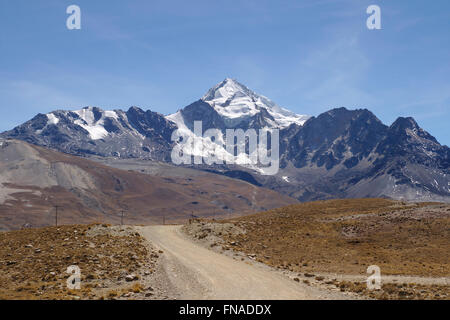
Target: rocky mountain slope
351 153
92 131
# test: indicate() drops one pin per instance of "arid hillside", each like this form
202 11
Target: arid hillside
33 180
114 263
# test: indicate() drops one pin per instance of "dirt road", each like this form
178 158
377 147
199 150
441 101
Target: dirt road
195 272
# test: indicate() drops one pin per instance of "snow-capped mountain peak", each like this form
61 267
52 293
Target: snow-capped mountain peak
234 101
229 89
91 119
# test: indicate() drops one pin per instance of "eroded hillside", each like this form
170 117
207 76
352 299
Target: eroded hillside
33 180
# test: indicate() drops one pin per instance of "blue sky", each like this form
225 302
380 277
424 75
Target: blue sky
308 56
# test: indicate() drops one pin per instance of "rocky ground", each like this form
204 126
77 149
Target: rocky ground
330 244
115 263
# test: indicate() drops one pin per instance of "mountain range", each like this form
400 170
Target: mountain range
338 154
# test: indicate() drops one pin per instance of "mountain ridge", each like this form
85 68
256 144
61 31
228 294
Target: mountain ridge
339 153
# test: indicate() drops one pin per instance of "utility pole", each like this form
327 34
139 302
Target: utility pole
164 219
121 218
56 215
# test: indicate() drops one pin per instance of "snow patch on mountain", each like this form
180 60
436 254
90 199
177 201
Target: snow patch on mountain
52 119
200 146
234 101
111 114
95 128
204 147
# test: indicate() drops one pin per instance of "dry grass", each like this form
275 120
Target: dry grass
33 262
402 291
346 236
